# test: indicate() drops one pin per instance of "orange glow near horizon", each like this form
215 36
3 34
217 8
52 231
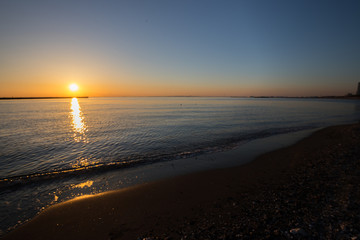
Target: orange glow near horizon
95 86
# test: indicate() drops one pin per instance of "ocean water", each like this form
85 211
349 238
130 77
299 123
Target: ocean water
57 149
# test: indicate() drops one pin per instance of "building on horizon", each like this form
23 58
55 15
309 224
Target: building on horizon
358 90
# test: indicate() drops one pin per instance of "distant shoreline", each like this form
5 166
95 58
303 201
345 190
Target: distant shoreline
354 97
311 97
21 98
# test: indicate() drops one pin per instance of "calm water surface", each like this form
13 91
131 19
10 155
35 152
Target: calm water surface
54 150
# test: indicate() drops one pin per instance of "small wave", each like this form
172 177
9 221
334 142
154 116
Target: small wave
217 146
41 176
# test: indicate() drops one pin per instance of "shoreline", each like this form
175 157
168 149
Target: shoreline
104 181
205 202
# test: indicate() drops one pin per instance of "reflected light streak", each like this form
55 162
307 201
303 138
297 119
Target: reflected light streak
83 185
78 124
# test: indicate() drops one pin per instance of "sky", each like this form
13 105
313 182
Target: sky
179 48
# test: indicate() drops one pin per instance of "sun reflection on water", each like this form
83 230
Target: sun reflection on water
83 185
78 124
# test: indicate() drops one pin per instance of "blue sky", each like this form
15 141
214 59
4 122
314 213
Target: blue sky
181 47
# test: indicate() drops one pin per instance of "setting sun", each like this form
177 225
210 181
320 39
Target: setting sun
73 87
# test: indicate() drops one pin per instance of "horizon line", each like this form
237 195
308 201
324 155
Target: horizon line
184 96
19 98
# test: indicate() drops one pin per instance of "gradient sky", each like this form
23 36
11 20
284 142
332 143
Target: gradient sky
206 48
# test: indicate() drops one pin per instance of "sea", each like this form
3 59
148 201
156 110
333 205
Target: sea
54 150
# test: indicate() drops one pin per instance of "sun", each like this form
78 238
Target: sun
73 87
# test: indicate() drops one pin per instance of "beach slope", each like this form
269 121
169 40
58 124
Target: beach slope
308 190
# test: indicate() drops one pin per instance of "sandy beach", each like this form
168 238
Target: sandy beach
307 190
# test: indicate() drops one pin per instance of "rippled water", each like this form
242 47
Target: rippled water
48 147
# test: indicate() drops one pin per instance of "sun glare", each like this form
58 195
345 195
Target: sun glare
73 87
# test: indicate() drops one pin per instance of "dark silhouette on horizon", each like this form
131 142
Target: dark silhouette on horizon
13 98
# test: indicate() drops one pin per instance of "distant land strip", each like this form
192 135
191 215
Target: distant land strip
13 98
310 97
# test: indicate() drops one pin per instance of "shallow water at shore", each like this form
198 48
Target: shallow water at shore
269 197
54 150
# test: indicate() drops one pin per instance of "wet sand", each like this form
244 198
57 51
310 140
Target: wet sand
308 190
